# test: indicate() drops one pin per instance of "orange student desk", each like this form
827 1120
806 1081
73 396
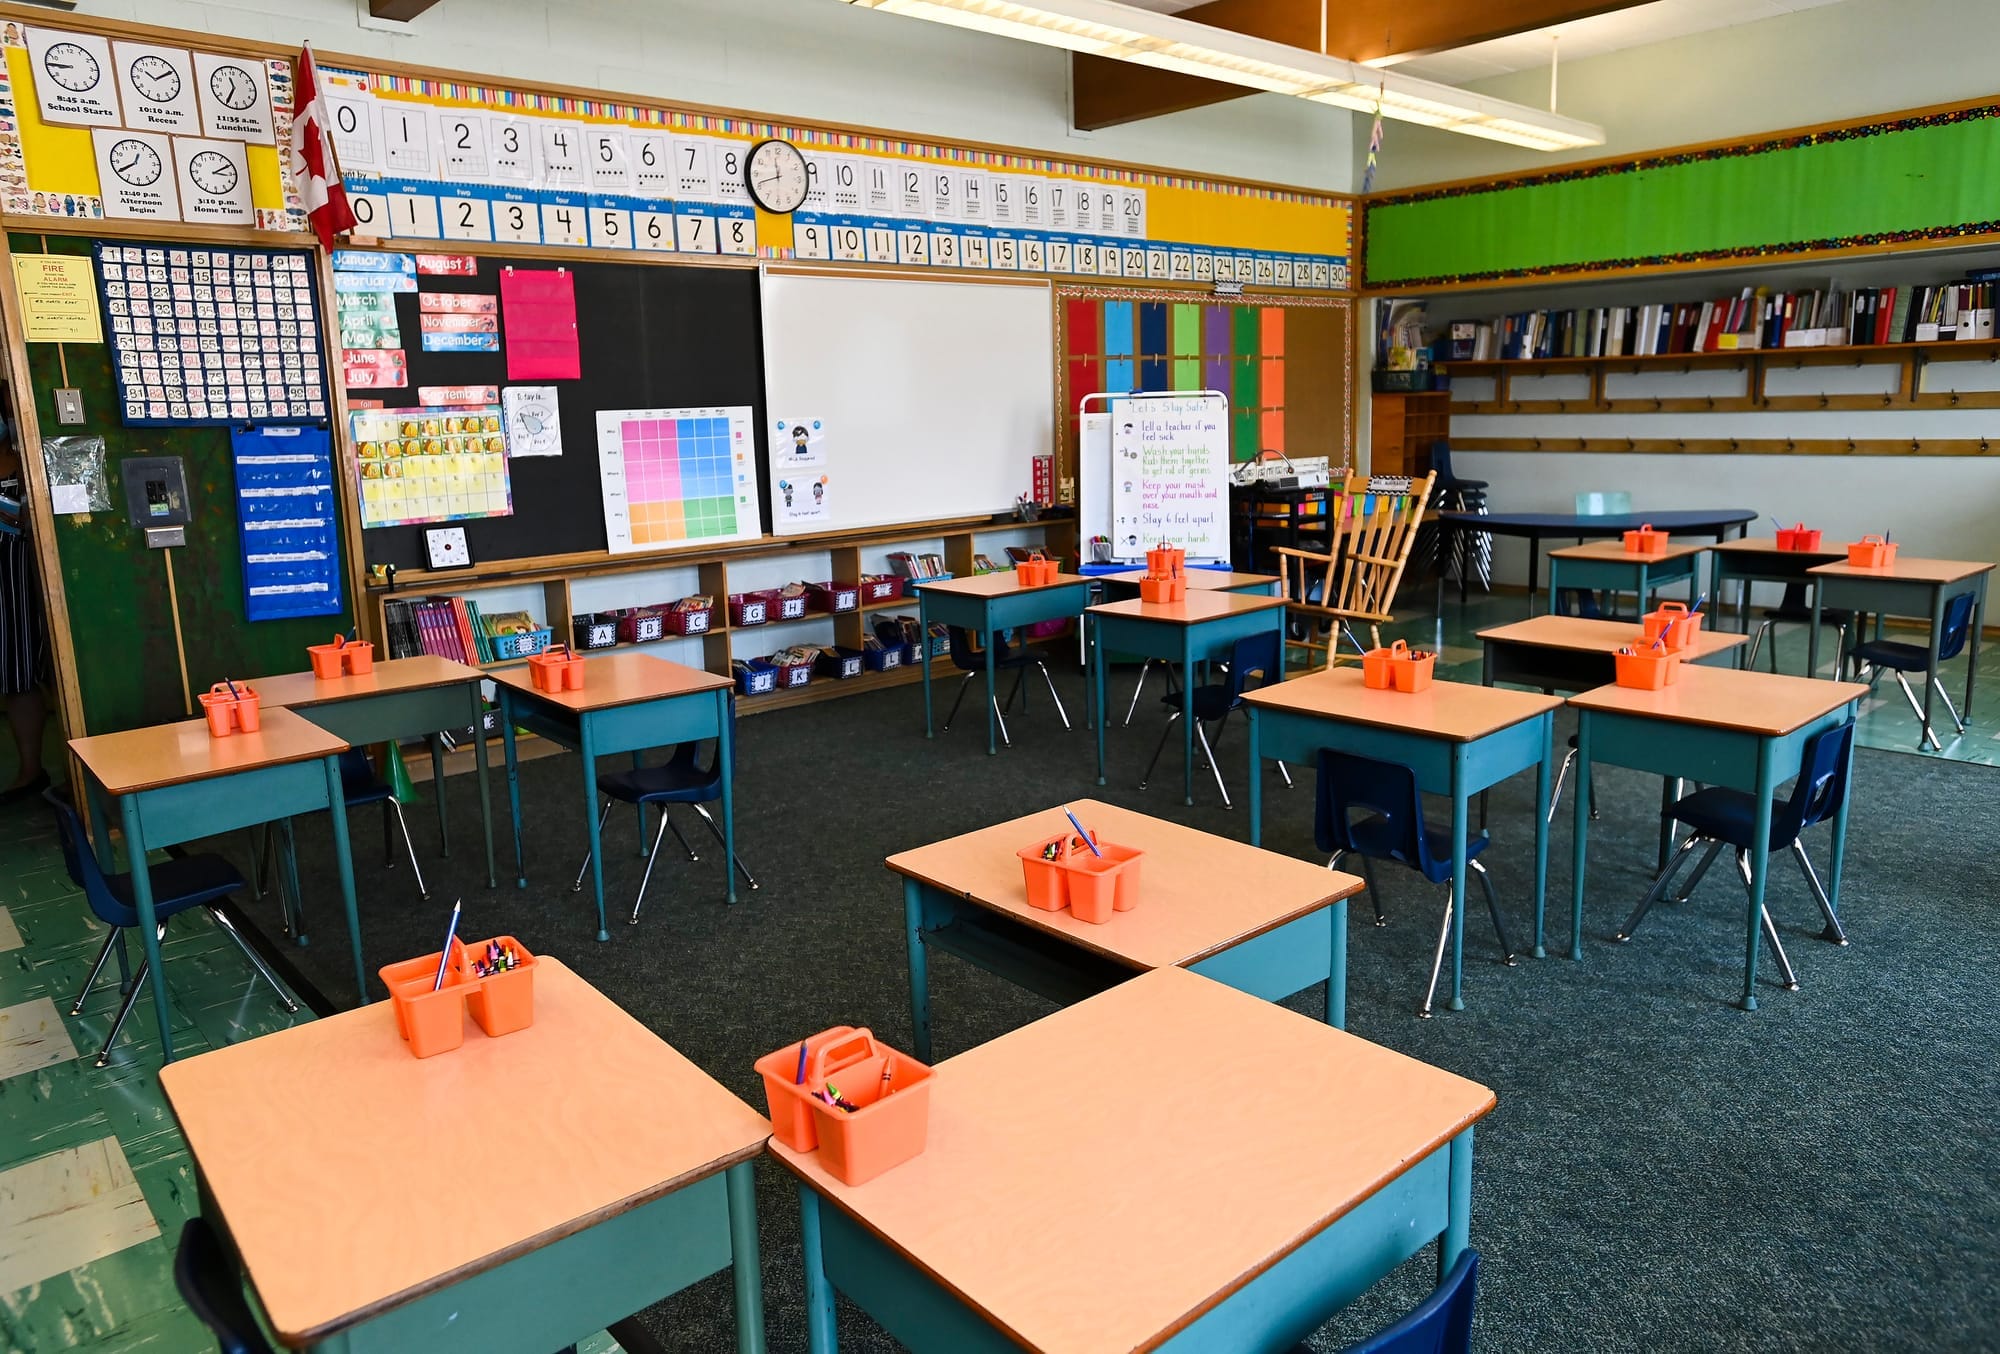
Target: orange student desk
1265 923
1575 653
400 698
1720 726
1458 739
516 1193
1203 628
629 702
1609 566
1908 587
988 602
1171 1165
175 783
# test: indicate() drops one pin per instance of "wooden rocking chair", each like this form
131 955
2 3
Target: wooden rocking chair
1374 531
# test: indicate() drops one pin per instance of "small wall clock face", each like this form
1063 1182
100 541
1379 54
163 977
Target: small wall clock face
233 86
137 163
156 78
72 67
447 547
213 173
775 173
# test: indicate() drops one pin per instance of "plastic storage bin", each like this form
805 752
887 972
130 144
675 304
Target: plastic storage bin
840 663
788 607
690 620
593 631
1647 670
889 1090
755 677
433 1022
793 674
556 670
229 711
833 597
1676 622
341 658
1162 589
1645 541
641 624
522 644
881 587
1058 872
1870 552
1037 570
749 608
882 659
1797 538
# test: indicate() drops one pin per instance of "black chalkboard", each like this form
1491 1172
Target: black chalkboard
649 336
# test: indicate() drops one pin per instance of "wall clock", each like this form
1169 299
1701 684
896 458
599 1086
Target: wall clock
233 86
156 79
136 163
72 67
447 548
213 173
776 175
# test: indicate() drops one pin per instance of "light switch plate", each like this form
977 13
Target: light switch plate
69 405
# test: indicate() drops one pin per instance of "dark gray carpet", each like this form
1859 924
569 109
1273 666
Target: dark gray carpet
1664 1171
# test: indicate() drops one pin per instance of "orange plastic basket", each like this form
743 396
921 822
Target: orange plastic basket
1797 538
1099 886
1378 671
1647 671
1037 570
1162 589
890 1090
341 657
1411 671
228 711
556 668
1645 541
433 1022
1870 552
1676 622
1042 873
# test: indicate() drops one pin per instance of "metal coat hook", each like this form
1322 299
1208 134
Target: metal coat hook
1732 444
1657 406
1790 445
1850 446
1822 401
1916 447
1954 399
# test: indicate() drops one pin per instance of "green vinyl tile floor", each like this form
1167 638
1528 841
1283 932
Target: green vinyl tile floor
95 1178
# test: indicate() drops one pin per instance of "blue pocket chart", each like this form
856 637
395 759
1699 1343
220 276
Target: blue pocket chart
288 520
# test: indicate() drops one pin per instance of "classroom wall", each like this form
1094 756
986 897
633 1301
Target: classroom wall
803 58
1818 65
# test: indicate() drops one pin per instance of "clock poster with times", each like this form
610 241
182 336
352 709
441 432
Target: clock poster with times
212 335
103 127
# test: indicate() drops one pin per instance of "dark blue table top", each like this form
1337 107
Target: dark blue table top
1577 524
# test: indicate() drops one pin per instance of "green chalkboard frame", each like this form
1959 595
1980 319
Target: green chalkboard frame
1908 180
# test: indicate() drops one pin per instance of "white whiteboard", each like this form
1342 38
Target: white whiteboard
936 396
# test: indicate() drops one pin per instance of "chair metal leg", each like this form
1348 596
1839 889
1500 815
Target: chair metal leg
582 869
1834 931
1159 749
659 835
1437 960
1659 887
1020 678
1044 668
718 836
1938 683
228 928
1138 687
675 828
1374 894
1562 777
83 994
1006 740
1694 879
964 682
124 1010
423 894
1757 642
1790 979
1286 772
1493 911
1917 709
1201 736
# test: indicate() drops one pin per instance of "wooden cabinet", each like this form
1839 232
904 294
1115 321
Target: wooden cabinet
1402 428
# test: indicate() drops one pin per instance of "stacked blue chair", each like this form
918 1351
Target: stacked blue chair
1874 657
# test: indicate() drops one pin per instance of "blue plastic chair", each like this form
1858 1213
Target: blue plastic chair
1792 609
178 885
1392 827
1440 1324
1889 655
1717 817
1255 656
680 780
360 787
213 1291
1004 657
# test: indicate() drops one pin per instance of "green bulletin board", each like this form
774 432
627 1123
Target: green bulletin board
1911 178
119 618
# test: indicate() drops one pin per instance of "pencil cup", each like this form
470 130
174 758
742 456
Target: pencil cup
1798 538
1042 873
327 663
1411 672
227 711
1676 622
501 1002
1647 671
890 1092
430 1022
359 657
1645 541
1870 552
1378 666
1099 886
1156 589
556 669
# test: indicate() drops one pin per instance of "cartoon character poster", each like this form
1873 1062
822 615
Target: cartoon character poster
800 497
798 443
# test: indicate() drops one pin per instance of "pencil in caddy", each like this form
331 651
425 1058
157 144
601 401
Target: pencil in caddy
859 1103
341 658
1092 879
229 706
494 979
1397 668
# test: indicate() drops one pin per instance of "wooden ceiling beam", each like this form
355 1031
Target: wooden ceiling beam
1107 92
399 11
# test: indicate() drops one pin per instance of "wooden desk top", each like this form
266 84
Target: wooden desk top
999 583
298 690
1578 635
618 679
1100 1178
1202 580
353 1176
1726 698
171 754
1198 894
1199 606
1768 545
1457 711
1615 551
1907 570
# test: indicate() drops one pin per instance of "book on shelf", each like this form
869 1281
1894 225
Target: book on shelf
448 627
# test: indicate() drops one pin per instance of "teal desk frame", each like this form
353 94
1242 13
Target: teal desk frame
190 810
1762 566
1273 965
1890 596
1641 575
683 717
983 616
1443 766
1283 1304
584 1281
1740 759
1182 642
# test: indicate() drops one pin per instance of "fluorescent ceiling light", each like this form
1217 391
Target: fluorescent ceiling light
1126 33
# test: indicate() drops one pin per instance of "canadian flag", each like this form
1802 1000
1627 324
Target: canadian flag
314 169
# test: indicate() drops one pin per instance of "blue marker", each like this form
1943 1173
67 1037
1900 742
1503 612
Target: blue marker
1081 833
